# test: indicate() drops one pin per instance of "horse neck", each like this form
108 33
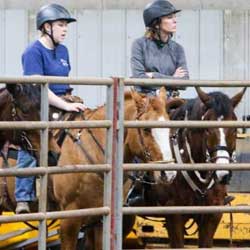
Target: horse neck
5 106
130 111
198 146
131 145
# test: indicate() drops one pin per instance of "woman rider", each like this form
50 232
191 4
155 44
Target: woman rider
156 54
45 57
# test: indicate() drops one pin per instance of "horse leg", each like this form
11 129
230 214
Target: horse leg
69 229
98 237
207 229
89 236
93 238
175 228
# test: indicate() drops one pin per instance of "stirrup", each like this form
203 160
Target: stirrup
136 201
228 199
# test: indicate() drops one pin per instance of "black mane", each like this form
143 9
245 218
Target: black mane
220 103
33 92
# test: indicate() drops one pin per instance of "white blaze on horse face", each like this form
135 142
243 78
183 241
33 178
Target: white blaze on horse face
161 136
222 155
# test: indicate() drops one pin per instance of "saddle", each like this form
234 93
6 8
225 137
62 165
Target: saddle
72 98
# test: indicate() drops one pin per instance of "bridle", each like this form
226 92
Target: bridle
231 156
209 158
145 150
77 138
25 141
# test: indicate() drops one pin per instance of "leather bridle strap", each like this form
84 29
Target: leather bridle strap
77 140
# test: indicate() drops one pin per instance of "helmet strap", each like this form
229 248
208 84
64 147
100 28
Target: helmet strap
51 35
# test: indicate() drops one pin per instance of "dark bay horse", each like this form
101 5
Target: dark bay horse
18 103
196 145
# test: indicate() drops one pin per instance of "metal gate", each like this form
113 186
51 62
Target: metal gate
112 210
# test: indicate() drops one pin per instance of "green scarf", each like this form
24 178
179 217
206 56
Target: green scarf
160 44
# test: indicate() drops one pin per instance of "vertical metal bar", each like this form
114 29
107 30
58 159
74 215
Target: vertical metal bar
108 175
113 236
119 167
43 162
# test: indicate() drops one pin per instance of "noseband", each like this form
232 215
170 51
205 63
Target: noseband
146 153
209 158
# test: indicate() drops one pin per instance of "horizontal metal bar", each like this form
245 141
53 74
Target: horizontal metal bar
55 170
185 124
55 215
29 125
214 248
185 166
186 83
126 167
127 81
185 210
58 80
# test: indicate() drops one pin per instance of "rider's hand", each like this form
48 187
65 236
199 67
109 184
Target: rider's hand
75 106
180 72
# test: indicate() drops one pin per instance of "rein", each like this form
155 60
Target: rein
25 141
77 139
146 153
184 173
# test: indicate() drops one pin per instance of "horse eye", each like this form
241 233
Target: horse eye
147 130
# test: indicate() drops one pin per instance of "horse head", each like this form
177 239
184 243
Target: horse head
149 144
22 103
220 142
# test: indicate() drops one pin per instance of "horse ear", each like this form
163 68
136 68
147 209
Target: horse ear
138 99
14 89
237 98
205 98
163 94
174 103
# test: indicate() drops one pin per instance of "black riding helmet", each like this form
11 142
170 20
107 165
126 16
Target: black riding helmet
157 9
52 12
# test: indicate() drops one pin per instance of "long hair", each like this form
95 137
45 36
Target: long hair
153 32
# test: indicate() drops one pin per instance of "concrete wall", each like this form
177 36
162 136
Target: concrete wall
128 4
216 43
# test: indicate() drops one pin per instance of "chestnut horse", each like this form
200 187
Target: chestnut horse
85 190
198 145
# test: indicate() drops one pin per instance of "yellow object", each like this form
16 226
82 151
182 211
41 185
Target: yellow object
19 232
16 233
154 231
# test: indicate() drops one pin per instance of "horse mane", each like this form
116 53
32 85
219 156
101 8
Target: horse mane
157 104
127 95
33 92
220 103
4 96
180 113
2 89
